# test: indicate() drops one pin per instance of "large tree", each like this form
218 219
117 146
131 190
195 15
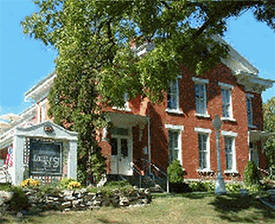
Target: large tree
269 126
97 62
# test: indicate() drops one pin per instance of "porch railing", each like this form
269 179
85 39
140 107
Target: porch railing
4 174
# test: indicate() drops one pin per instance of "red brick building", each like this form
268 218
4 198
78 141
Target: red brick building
147 136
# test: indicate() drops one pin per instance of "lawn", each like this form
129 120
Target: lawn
180 208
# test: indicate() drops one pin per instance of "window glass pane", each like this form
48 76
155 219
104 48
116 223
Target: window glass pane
114 146
249 110
229 152
173 138
124 147
226 102
200 98
203 163
173 95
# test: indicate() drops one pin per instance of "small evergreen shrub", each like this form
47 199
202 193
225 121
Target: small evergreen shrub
251 174
117 184
19 200
175 172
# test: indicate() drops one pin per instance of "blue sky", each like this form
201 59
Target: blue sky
25 61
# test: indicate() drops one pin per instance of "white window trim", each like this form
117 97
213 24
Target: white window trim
234 161
229 133
178 110
228 87
208 132
204 82
126 105
200 81
250 97
225 85
203 130
178 128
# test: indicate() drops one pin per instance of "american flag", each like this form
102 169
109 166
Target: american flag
9 158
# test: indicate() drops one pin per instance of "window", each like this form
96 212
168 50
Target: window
173 96
229 148
173 145
249 98
174 142
126 104
200 96
228 141
203 151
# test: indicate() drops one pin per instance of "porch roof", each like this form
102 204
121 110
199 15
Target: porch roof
128 120
256 135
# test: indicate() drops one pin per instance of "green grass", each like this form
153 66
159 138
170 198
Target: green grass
180 208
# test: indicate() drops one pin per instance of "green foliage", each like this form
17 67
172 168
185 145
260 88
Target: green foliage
65 182
269 126
5 187
254 188
19 200
251 174
117 184
175 172
202 186
233 187
96 64
110 189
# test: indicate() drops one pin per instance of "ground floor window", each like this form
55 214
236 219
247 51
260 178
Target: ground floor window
203 151
229 152
173 141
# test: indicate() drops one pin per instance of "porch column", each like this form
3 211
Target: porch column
17 171
72 160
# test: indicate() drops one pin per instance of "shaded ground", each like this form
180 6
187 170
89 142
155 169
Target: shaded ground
180 208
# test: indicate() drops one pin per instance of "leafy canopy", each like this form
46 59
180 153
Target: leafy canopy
97 58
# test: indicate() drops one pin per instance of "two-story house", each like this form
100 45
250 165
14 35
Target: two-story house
146 136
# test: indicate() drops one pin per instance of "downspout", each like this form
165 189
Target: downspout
149 144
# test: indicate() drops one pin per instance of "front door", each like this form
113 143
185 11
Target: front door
121 155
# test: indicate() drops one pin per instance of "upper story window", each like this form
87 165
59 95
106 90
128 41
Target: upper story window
227 113
200 97
249 108
126 104
173 97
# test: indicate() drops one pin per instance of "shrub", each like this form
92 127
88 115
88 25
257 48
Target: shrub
19 200
251 174
233 187
117 184
254 188
30 183
5 187
175 172
200 186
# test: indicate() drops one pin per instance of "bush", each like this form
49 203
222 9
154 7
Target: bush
74 184
19 200
117 184
200 186
175 172
30 183
233 187
251 174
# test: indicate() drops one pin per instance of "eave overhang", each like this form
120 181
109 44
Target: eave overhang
253 83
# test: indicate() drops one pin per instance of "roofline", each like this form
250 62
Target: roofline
41 82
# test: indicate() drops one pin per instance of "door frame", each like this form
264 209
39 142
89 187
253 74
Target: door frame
129 137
